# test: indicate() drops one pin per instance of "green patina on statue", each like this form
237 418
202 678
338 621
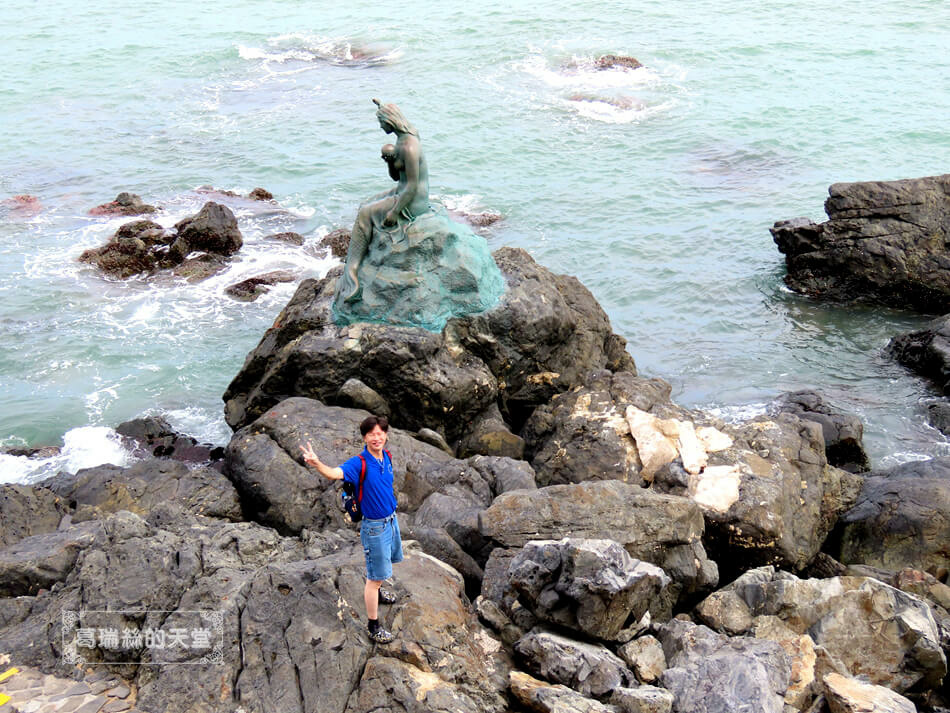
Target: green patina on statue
408 263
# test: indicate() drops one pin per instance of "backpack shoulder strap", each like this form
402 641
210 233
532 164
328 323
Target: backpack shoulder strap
359 495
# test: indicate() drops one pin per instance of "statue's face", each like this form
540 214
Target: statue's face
385 125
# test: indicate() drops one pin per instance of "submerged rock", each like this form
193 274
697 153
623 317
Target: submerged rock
250 289
286 237
337 242
137 247
124 204
883 242
926 352
611 61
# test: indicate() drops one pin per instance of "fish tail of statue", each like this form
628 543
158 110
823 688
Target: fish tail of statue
359 241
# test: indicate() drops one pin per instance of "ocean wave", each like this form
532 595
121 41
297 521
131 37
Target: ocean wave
302 47
83 447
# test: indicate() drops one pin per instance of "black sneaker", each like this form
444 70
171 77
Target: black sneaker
381 636
386 597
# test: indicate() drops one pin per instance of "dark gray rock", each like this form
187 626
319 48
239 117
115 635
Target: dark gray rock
661 529
124 204
26 511
96 492
843 432
200 267
926 352
434 438
884 241
938 416
250 289
489 435
584 434
590 669
137 247
286 237
437 542
711 673
213 229
901 519
867 626
591 586
38 561
153 437
504 474
546 333
355 394
337 242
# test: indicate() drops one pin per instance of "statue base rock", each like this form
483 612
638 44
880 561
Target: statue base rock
423 274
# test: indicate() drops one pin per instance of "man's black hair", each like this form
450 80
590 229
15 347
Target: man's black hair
372 422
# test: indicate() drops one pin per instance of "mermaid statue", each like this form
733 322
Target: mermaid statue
396 207
408 263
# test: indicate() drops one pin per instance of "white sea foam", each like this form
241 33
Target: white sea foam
304 47
83 447
204 424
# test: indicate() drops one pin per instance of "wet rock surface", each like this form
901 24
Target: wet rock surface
843 433
926 352
250 289
124 204
883 242
143 246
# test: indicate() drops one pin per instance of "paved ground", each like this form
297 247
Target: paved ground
26 690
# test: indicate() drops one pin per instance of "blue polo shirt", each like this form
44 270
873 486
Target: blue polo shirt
378 501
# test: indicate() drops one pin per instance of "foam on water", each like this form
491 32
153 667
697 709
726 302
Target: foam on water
83 447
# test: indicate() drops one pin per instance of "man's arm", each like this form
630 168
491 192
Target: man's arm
310 458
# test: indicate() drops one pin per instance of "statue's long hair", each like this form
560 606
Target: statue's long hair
393 116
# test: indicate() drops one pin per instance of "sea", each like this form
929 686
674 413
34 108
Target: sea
655 186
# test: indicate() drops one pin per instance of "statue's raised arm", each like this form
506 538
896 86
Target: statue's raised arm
396 208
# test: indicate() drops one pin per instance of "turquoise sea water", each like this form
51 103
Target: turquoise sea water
656 187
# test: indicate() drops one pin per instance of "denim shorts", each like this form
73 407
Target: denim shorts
382 545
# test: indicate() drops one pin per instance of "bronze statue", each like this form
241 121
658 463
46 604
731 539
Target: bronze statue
395 208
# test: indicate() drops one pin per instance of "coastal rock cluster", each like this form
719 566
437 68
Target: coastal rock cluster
575 541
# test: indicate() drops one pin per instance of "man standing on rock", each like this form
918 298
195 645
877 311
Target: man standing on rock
379 528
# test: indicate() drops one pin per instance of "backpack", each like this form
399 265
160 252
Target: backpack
351 499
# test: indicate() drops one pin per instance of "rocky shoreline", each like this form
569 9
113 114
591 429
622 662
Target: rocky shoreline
576 541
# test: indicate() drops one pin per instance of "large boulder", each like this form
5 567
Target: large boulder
660 529
93 493
869 627
711 673
849 695
124 204
590 586
843 432
765 487
213 229
137 247
27 511
884 241
926 352
545 334
39 561
590 669
901 519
